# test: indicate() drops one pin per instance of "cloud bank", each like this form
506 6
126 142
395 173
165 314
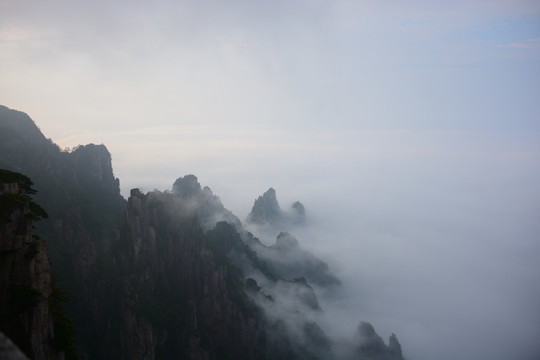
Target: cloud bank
433 234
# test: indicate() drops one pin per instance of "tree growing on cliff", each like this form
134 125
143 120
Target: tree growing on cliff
31 296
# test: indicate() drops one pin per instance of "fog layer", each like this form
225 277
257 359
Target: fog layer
435 235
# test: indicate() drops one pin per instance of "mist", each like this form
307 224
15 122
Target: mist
440 247
409 131
434 235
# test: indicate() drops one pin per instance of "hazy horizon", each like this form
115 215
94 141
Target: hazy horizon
410 132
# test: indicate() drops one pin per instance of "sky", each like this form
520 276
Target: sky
409 130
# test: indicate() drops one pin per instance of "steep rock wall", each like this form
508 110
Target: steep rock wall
179 300
25 279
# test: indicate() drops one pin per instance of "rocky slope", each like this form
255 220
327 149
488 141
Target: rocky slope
173 274
82 197
179 299
29 312
288 260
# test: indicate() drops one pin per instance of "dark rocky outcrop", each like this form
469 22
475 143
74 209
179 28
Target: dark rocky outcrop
288 260
82 198
184 293
29 312
394 348
266 209
203 202
267 212
164 275
187 186
285 242
179 299
370 346
298 212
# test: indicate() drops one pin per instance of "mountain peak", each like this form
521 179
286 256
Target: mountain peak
266 209
371 345
187 186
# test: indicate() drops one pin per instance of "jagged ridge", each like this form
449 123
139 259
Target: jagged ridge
166 275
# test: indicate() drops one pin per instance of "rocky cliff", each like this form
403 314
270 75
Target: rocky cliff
164 275
82 198
27 295
198 294
179 298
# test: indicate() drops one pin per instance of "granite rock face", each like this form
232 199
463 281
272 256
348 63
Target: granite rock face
266 209
25 279
203 202
163 275
82 197
178 299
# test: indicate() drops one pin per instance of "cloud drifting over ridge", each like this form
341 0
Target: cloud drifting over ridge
434 234
428 242
410 135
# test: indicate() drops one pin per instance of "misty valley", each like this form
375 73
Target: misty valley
167 274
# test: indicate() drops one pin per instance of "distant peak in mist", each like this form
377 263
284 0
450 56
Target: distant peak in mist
299 208
286 241
208 206
289 260
266 211
187 186
371 345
